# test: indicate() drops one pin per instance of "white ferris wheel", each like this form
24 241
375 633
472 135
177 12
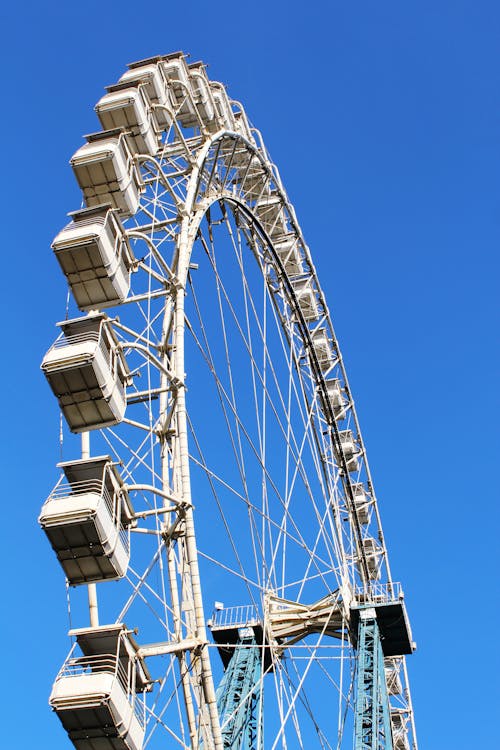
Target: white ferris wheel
218 528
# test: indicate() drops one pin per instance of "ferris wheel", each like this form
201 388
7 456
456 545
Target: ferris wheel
215 516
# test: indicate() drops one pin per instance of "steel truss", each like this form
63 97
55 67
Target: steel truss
239 696
372 728
240 448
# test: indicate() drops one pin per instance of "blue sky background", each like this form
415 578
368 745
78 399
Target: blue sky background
383 120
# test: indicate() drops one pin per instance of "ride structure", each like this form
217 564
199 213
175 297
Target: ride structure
220 452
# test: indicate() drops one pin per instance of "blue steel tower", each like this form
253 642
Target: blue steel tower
240 637
238 695
379 630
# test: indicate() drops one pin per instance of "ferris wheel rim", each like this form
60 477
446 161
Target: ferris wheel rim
186 241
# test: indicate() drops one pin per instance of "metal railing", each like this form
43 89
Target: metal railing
107 664
64 489
244 614
378 592
104 345
89 665
76 338
125 539
120 387
139 708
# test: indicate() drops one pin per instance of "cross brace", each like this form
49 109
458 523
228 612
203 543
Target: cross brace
372 727
238 696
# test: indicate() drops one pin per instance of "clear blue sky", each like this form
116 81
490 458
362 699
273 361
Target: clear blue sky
383 120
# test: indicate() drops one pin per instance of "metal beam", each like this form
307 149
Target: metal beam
169 647
372 723
239 696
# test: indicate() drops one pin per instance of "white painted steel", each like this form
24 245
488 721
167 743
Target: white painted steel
336 397
373 556
202 94
176 72
241 123
95 257
95 694
322 349
106 173
306 298
151 77
87 373
399 721
129 109
223 109
71 696
85 519
89 516
202 198
288 252
392 676
361 503
269 211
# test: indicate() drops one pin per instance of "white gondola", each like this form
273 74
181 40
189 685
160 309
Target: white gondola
202 94
235 154
148 74
107 173
392 677
176 72
252 178
95 257
86 518
287 249
399 720
361 503
306 298
270 212
322 349
128 108
349 450
373 557
223 110
336 397
241 124
95 694
88 373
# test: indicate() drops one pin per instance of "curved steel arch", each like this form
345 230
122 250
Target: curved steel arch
193 215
